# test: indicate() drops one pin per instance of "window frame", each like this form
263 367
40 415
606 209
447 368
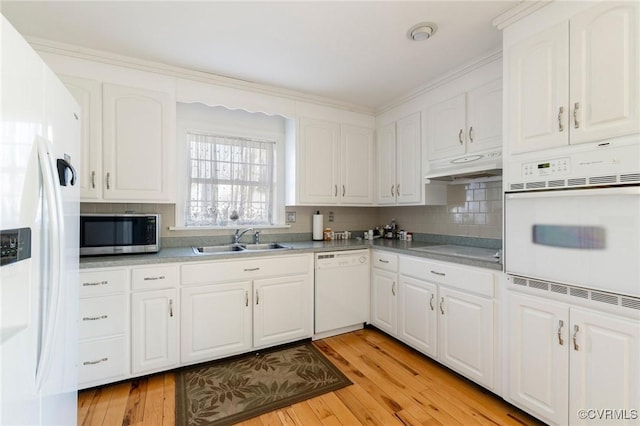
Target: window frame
184 126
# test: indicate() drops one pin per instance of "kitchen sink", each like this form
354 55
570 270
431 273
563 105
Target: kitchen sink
238 248
265 246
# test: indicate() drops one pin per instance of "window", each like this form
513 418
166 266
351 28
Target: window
231 180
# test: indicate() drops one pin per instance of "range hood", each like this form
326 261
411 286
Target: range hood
463 169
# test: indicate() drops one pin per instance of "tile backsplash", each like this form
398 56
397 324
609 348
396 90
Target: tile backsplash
472 210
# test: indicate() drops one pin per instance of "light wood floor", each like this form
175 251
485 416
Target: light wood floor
393 385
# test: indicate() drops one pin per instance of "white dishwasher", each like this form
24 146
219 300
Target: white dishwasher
341 292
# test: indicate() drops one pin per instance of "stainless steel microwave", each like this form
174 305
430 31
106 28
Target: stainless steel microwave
104 234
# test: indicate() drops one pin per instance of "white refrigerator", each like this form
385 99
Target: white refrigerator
39 208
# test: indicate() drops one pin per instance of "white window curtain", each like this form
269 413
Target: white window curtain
231 181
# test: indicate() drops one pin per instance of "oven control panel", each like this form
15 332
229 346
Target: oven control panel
548 168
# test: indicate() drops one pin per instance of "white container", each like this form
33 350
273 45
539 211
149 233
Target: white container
317 227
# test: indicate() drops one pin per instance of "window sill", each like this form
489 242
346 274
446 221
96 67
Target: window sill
222 228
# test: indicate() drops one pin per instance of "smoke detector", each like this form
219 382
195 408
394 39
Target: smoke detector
422 31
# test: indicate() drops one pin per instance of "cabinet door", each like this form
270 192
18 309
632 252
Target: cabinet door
357 160
282 310
604 355
318 161
215 321
465 334
87 93
538 85
409 184
136 144
446 128
384 304
604 72
484 117
538 338
417 315
154 330
387 164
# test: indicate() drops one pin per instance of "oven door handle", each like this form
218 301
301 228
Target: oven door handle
625 190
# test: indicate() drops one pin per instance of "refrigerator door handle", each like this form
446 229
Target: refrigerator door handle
56 249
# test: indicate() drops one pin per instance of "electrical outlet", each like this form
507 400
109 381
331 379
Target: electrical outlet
330 216
291 217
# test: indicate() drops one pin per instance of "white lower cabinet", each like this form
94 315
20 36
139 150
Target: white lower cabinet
103 326
233 306
443 310
564 359
154 330
216 321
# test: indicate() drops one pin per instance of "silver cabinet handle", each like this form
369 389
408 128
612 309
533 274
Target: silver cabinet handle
442 274
251 269
246 298
393 288
89 284
257 298
560 112
431 301
471 134
575 338
159 277
383 261
442 305
398 190
560 325
460 137
108 180
101 317
343 190
392 188
576 107
171 308
93 179
335 190
95 362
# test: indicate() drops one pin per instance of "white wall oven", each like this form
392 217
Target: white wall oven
575 219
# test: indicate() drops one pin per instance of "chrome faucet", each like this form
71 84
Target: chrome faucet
239 234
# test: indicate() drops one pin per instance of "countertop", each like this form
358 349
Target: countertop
472 256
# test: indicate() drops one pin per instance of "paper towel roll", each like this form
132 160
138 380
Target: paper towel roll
318 234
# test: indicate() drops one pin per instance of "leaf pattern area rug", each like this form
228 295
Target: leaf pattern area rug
229 391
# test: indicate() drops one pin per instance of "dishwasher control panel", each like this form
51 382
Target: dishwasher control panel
339 259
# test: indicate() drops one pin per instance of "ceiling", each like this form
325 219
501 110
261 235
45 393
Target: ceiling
353 52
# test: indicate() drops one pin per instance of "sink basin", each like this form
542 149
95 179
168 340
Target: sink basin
236 248
228 248
265 246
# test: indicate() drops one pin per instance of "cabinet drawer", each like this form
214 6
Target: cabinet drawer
465 278
385 261
154 278
103 316
245 269
103 281
103 360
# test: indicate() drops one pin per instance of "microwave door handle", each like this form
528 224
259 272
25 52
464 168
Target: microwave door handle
588 192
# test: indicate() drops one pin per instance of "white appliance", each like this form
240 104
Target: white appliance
470 166
342 292
573 217
40 138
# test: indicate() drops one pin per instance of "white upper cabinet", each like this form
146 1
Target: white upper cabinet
333 163
88 95
400 162
136 142
469 122
604 72
575 82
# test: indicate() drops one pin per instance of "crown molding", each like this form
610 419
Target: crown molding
49 46
449 76
516 13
